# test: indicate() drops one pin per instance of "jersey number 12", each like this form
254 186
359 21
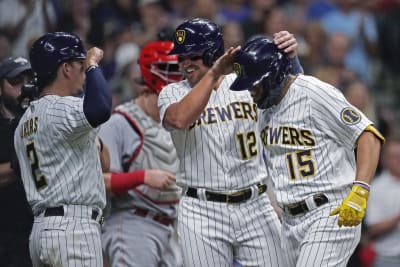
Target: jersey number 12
247 143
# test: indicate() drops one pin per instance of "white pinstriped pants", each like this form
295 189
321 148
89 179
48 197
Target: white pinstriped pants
214 233
66 241
314 239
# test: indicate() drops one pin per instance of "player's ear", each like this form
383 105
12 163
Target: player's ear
66 68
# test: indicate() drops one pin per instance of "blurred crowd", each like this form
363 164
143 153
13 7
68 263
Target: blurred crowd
351 44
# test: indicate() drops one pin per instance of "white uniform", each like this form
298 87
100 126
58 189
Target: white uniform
309 140
141 219
60 169
220 152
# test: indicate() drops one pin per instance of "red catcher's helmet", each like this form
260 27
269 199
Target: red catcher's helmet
157 67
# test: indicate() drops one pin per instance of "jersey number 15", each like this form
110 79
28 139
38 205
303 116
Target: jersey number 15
303 160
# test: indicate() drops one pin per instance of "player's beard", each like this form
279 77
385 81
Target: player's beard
11 104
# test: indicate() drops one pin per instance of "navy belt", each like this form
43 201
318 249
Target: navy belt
236 197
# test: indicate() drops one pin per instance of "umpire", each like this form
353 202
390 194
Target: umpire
16 215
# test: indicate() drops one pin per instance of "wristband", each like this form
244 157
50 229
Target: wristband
122 182
362 184
296 66
91 67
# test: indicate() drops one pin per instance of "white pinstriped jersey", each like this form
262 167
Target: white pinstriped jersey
58 157
221 150
310 138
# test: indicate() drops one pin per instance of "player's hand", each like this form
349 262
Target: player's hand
352 210
287 42
93 57
158 179
224 64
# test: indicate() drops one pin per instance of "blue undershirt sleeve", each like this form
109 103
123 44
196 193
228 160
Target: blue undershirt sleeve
296 66
97 100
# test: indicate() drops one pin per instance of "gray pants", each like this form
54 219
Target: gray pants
131 240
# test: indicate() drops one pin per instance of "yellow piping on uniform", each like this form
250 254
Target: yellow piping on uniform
375 131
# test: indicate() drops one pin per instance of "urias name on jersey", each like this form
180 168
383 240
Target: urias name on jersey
29 127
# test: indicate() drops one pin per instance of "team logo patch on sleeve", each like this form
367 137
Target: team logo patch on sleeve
180 36
350 116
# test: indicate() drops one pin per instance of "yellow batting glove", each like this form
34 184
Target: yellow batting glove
352 210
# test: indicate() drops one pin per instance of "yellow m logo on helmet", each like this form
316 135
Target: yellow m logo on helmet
237 69
180 36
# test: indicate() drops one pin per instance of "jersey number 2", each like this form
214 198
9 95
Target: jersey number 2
304 161
38 177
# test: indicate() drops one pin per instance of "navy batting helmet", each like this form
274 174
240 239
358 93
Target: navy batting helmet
261 61
199 36
52 49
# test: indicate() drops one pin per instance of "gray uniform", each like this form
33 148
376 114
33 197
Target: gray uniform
220 152
139 221
62 176
309 139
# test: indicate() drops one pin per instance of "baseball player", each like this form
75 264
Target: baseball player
224 212
58 156
144 200
16 222
309 132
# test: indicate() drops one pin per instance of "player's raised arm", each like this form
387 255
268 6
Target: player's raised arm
288 43
97 101
182 114
203 63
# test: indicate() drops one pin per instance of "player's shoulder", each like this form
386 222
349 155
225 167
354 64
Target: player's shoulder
125 107
172 93
175 87
124 113
315 87
228 80
63 102
230 77
308 82
117 121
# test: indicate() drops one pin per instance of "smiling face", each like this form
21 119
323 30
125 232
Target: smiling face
192 68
